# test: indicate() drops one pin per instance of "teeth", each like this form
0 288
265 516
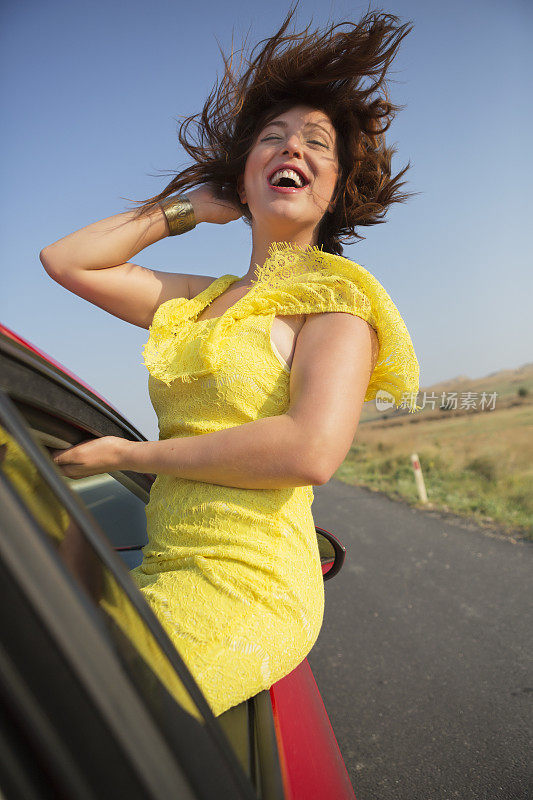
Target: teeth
286 173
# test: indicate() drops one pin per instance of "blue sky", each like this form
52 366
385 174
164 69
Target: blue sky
92 93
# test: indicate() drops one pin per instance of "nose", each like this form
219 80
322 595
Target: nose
293 145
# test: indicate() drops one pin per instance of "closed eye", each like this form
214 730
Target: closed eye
313 141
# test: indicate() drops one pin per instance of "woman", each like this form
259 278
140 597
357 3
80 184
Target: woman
258 380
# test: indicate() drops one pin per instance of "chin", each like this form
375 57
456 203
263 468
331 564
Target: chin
284 211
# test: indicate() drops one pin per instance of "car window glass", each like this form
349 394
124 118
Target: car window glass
117 510
120 513
133 641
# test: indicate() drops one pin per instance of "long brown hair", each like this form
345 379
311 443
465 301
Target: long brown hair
323 70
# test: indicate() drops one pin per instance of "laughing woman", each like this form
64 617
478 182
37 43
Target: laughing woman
257 379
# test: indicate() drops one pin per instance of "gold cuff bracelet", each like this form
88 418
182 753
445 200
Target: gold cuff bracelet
179 213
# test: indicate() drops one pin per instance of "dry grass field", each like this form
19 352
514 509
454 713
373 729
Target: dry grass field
475 463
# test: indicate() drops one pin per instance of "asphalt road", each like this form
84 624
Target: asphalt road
424 660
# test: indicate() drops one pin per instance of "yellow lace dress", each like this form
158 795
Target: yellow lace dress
234 574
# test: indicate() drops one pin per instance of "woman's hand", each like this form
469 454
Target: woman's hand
210 206
92 457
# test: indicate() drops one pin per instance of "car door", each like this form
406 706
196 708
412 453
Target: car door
99 700
59 411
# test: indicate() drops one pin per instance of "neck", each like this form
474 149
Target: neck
262 239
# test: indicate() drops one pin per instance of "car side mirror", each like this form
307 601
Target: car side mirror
332 553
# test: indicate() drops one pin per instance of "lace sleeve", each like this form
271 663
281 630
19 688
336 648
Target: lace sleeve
312 281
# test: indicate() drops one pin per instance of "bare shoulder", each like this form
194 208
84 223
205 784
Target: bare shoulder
333 329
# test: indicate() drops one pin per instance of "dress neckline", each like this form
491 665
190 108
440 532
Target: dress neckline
285 252
211 292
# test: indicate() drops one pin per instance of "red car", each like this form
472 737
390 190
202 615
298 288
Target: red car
84 712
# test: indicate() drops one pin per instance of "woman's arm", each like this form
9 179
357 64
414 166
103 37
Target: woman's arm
268 453
334 358
94 262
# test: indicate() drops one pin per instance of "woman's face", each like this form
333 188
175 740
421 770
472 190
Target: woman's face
306 139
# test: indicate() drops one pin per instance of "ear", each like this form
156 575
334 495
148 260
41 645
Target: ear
240 189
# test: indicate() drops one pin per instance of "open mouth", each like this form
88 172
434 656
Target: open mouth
287 180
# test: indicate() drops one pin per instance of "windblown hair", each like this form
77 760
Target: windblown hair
323 70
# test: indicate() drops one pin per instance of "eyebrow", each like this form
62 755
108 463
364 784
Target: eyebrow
307 125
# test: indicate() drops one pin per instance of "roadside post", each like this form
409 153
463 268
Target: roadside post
419 478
